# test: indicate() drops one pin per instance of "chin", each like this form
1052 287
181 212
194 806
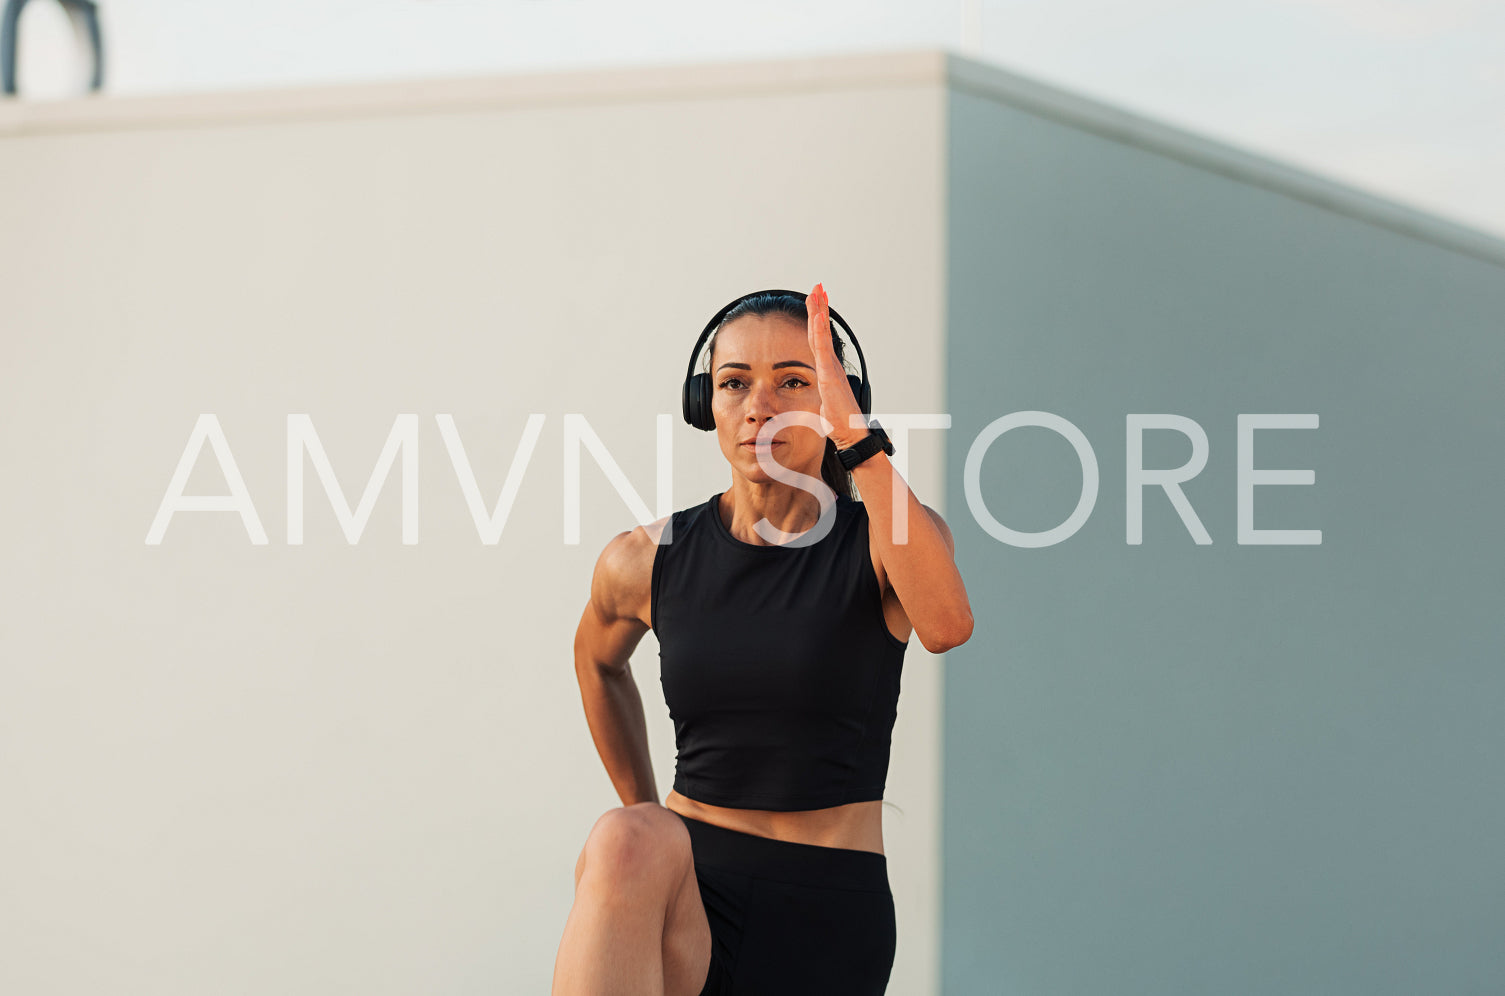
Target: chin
754 471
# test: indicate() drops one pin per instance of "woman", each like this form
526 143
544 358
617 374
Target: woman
763 870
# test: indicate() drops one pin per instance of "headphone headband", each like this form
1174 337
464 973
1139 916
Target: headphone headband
697 389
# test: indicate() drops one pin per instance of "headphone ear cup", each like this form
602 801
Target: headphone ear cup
861 393
707 417
697 402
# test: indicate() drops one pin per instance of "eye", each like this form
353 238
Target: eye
795 381
730 380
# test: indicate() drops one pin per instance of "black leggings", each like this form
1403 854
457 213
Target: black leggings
789 919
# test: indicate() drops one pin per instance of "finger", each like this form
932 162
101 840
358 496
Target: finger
823 306
820 346
812 308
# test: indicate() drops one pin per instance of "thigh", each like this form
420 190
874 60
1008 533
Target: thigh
687 931
645 855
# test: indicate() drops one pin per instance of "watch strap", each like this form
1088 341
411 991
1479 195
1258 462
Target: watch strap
875 440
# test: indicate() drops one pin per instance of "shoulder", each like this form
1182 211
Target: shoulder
621 584
940 525
874 550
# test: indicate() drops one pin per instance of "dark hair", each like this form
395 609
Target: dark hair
837 477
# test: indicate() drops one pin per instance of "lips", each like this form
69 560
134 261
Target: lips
753 444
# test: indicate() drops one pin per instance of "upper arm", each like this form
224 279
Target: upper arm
617 615
940 525
945 530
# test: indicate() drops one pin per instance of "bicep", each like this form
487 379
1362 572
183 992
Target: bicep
611 626
940 524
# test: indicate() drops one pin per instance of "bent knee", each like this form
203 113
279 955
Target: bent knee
643 840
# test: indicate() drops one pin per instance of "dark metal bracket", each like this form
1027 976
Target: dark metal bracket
85 11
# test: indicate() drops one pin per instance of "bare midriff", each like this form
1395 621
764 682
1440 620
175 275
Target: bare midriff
856 825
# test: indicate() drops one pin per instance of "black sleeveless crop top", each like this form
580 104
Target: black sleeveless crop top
780 673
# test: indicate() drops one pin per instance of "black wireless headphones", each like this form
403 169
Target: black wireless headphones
697 390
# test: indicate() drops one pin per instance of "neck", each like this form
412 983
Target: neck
787 508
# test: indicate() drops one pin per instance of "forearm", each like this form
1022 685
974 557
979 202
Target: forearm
915 555
614 712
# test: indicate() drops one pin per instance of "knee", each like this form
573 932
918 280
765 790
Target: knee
631 844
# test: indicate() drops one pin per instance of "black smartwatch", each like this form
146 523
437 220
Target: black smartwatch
875 440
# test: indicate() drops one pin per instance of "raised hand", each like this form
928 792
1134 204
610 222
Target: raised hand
837 405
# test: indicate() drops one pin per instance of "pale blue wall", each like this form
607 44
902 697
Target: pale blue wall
1224 769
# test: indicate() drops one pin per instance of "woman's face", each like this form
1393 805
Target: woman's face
762 366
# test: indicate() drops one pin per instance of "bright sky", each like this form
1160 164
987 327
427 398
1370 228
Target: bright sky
1402 98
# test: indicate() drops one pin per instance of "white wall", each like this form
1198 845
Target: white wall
322 767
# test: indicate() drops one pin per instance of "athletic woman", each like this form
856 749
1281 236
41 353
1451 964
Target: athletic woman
782 617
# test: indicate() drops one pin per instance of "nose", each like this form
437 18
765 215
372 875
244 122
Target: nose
760 404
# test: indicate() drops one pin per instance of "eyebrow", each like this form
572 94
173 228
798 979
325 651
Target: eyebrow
781 363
